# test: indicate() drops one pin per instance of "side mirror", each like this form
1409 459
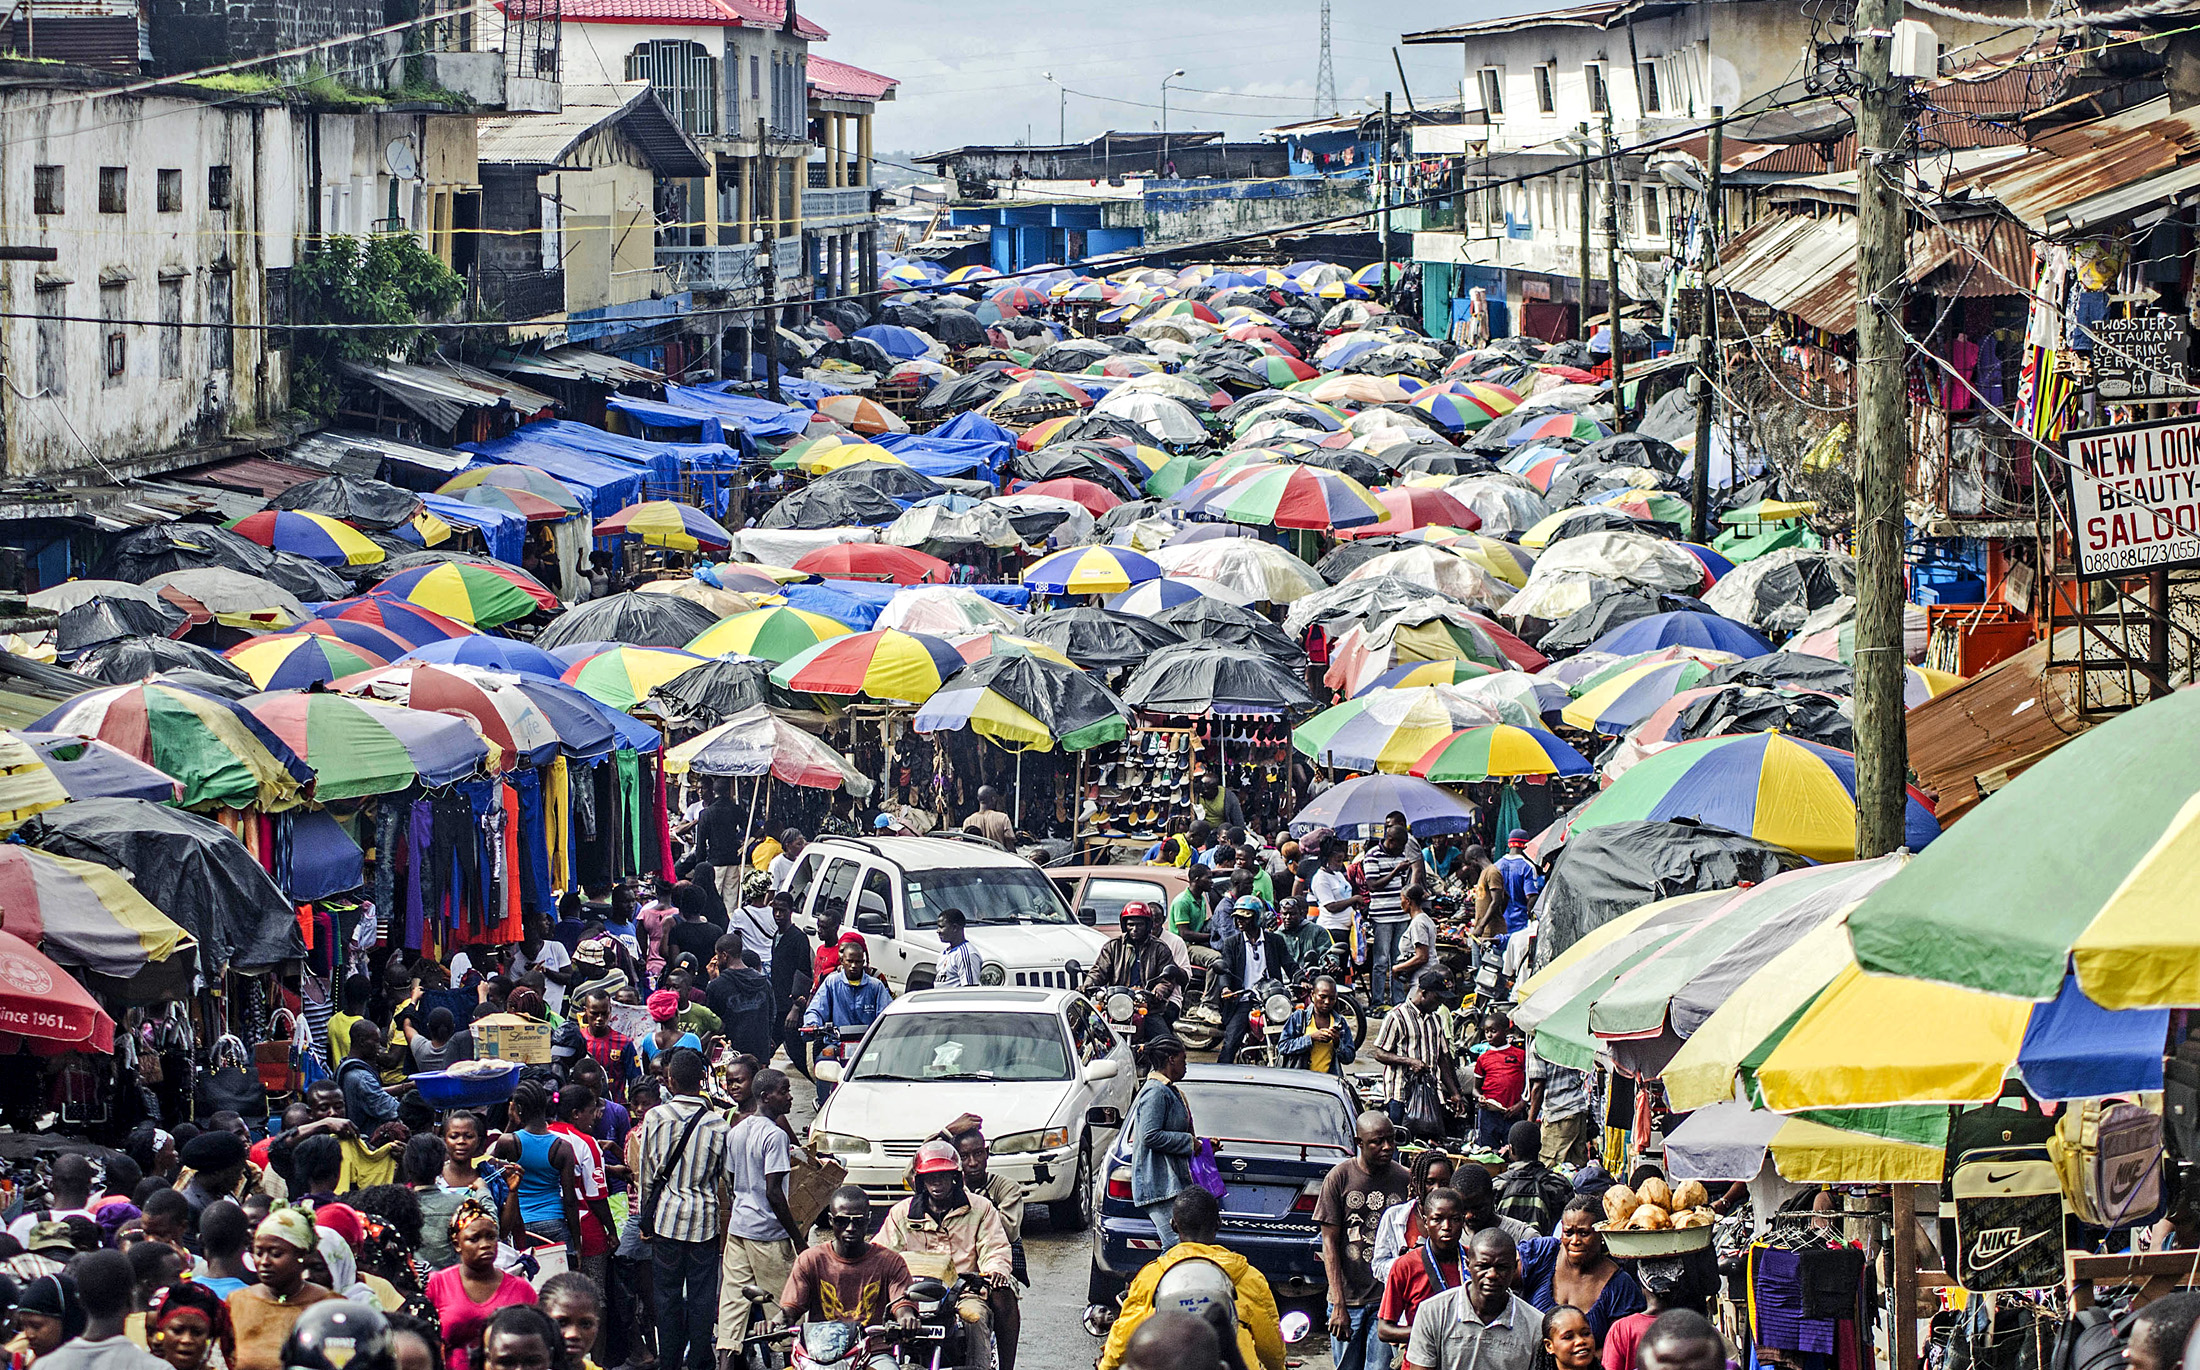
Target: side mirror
872 924
1102 1115
1294 1326
1102 1070
1075 970
827 1070
1088 915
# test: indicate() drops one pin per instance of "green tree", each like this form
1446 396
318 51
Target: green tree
386 279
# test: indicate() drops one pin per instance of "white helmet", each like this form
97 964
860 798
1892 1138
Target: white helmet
1195 1285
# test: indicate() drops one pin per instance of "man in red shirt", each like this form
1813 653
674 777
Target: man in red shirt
1501 1082
1423 1271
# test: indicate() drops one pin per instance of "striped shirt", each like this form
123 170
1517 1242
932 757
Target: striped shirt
1408 1032
692 1208
959 968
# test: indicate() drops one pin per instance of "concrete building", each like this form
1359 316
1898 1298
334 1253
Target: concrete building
839 217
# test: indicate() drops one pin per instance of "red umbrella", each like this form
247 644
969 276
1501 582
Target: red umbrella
1251 332
1413 507
1094 496
42 1002
875 561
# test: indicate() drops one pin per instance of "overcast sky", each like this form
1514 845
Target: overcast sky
970 71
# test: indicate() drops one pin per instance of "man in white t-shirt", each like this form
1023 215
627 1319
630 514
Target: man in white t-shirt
1334 899
69 1193
549 955
791 843
754 920
760 1229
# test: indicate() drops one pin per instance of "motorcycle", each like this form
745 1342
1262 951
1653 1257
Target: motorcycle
942 1338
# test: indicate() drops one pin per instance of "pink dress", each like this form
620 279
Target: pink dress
464 1320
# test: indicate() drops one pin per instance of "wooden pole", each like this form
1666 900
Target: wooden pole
1382 186
1902 1347
1611 271
1882 433
1583 319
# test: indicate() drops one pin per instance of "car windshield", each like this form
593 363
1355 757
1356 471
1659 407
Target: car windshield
1003 1047
993 895
1258 1118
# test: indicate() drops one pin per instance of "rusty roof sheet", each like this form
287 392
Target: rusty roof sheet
2099 170
1974 739
1806 266
1972 257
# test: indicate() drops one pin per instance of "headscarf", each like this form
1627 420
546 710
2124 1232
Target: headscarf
343 1220
343 1269
288 1225
56 1297
468 1209
664 1005
756 887
189 1296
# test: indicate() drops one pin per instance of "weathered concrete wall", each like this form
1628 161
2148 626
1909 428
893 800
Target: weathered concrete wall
1177 212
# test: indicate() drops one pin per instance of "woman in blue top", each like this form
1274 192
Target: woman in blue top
545 1203
1574 1268
1162 1140
664 1006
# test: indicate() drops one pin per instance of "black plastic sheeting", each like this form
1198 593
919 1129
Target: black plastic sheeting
1197 677
133 658
141 554
633 618
368 505
1747 709
1100 639
104 620
831 506
1065 699
1798 669
1610 870
191 868
1215 620
710 694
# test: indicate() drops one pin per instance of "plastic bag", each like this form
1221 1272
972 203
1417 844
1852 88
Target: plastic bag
1205 1173
1424 1108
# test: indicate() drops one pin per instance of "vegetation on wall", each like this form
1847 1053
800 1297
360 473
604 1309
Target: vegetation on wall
385 279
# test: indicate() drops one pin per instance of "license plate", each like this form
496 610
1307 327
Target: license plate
1259 1200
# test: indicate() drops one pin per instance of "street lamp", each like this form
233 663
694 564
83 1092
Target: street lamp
1163 168
1061 132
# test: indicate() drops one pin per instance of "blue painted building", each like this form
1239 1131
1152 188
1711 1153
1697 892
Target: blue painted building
1026 235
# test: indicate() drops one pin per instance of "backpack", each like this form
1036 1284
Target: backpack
2005 1210
2109 1155
2094 1339
1535 1197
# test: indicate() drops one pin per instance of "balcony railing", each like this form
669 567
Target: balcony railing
826 208
738 268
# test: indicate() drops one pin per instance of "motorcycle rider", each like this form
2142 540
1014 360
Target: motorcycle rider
851 1277
944 1225
1135 960
1251 954
1309 941
851 997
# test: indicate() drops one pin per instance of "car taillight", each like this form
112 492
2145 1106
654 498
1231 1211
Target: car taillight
1308 1198
1120 1188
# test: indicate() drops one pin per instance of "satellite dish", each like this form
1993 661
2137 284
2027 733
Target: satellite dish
402 161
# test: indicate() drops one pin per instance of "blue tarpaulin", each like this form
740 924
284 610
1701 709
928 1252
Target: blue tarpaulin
858 603
758 416
903 343
711 468
800 389
672 418
608 485
972 426
503 532
922 454
323 859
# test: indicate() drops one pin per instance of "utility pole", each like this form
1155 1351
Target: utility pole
1382 184
1882 435
1611 272
1585 162
1707 339
769 175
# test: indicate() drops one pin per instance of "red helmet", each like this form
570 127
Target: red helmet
935 1156
1136 909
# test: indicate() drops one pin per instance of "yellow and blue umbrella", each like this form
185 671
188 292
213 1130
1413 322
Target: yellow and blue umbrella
1498 752
295 661
884 664
316 537
470 592
774 634
623 676
663 523
1090 571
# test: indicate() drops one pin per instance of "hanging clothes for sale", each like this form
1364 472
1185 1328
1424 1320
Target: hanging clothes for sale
532 842
558 830
630 809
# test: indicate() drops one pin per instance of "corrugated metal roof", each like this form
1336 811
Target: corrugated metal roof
443 391
2091 172
339 447
546 139
579 364
1602 15
753 14
1806 266
1972 257
252 475
839 79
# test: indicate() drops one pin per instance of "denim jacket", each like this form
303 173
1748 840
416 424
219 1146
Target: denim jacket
1161 1143
1298 1048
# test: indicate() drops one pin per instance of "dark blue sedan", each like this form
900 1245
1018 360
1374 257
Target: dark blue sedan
1280 1132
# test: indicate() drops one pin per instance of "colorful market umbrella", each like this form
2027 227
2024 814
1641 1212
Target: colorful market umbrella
976 647
30 783
1708 631
1560 427
508 718
1414 673
1457 412
533 479
41 1002
1730 1140
663 523
774 634
382 643
1090 571
295 661
1359 806
525 503
875 561
1387 730
1415 507
463 591
1499 752
1791 793
1256 569
489 653
1096 498
624 676
2082 863
1027 703
1622 700
222 756
360 746
409 623
945 610
888 664
1299 497
1169 592
1655 506
317 537
82 913
756 741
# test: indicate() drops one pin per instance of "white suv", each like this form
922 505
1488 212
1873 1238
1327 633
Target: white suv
893 889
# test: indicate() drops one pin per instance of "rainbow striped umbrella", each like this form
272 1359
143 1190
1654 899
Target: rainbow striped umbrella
86 914
294 661
977 647
774 634
532 479
624 676
317 537
360 747
964 274
1498 752
1387 730
1658 506
465 591
1171 476
222 755
1299 497
1018 299
409 623
663 523
1373 274
1539 466
1612 704
1090 571
1458 413
1427 673
1769 786
525 503
383 644
1558 428
885 664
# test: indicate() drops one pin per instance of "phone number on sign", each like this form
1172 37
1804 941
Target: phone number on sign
2137 558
